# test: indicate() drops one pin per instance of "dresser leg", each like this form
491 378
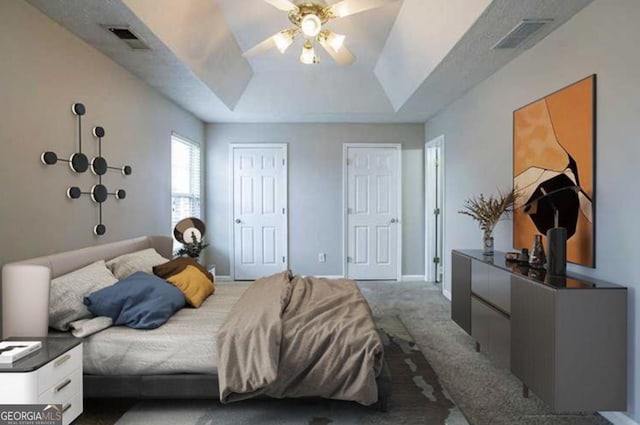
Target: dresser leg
477 347
525 391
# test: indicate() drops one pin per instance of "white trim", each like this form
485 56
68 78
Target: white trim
428 264
447 294
345 205
224 278
345 201
326 276
618 418
412 277
202 171
232 146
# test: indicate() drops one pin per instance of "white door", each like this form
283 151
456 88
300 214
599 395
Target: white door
434 199
259 210
373 228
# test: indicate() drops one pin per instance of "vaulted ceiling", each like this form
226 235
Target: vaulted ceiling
413 57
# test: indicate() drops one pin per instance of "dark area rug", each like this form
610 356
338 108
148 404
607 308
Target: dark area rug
417 398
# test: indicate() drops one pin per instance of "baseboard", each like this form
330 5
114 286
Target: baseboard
447 294
618 418
224 278
412 277
227 278
405 278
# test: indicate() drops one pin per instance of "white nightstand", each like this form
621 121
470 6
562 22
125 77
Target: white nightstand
52 375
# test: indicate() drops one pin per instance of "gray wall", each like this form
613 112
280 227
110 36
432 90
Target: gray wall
44 70
601 39
315 189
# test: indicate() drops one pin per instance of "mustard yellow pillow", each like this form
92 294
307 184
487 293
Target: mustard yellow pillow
194 284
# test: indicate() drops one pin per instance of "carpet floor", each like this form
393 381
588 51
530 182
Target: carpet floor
486 393
450 373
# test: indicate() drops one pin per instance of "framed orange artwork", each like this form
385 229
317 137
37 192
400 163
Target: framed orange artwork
554 169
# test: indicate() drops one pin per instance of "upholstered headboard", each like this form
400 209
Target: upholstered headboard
20 294
65 262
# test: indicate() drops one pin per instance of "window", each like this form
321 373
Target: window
185 179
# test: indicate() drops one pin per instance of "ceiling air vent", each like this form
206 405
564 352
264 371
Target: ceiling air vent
521 32
126 35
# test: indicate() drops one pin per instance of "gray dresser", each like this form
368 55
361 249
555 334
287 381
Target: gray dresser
564 338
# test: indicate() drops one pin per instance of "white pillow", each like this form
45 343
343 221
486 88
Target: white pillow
68 292
139 261
85 327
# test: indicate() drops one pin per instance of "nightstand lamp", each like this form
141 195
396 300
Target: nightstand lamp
25 300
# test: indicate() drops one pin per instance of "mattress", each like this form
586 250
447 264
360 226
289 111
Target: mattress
185 344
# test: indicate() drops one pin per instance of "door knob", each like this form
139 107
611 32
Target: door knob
393 220
238 221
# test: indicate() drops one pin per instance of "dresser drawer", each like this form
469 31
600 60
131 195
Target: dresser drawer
62 391
500 289
72 409
53 372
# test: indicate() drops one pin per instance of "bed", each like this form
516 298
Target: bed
178 359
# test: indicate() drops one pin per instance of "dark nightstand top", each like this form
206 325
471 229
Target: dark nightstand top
51 349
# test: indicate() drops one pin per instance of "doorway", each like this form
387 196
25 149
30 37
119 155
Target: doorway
259 210
434 214
372 210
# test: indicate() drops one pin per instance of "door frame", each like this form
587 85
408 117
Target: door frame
345 201
428 251
232 239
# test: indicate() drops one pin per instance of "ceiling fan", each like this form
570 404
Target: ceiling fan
308 19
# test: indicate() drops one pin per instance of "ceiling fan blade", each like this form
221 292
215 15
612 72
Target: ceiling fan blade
342 56
285 5
261 47
351 7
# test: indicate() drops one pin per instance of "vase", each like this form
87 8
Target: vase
537 257
557 247
487 244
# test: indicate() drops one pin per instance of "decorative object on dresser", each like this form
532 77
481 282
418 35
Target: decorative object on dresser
553 150
190 232
511 256
79 163
556 235
25 287
523 258
537 257
51 375
487 212
565 338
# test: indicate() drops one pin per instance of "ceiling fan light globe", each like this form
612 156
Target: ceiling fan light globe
311 25
308 56
283 40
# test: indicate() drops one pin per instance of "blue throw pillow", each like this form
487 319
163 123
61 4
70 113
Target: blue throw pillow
141 301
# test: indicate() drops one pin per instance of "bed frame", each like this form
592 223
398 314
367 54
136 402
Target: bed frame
175 386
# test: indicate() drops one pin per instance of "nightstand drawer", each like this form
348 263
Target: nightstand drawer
73 409
63 390
53 372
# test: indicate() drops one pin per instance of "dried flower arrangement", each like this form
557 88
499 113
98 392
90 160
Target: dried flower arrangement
488 210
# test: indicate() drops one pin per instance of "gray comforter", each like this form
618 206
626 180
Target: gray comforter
299 337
